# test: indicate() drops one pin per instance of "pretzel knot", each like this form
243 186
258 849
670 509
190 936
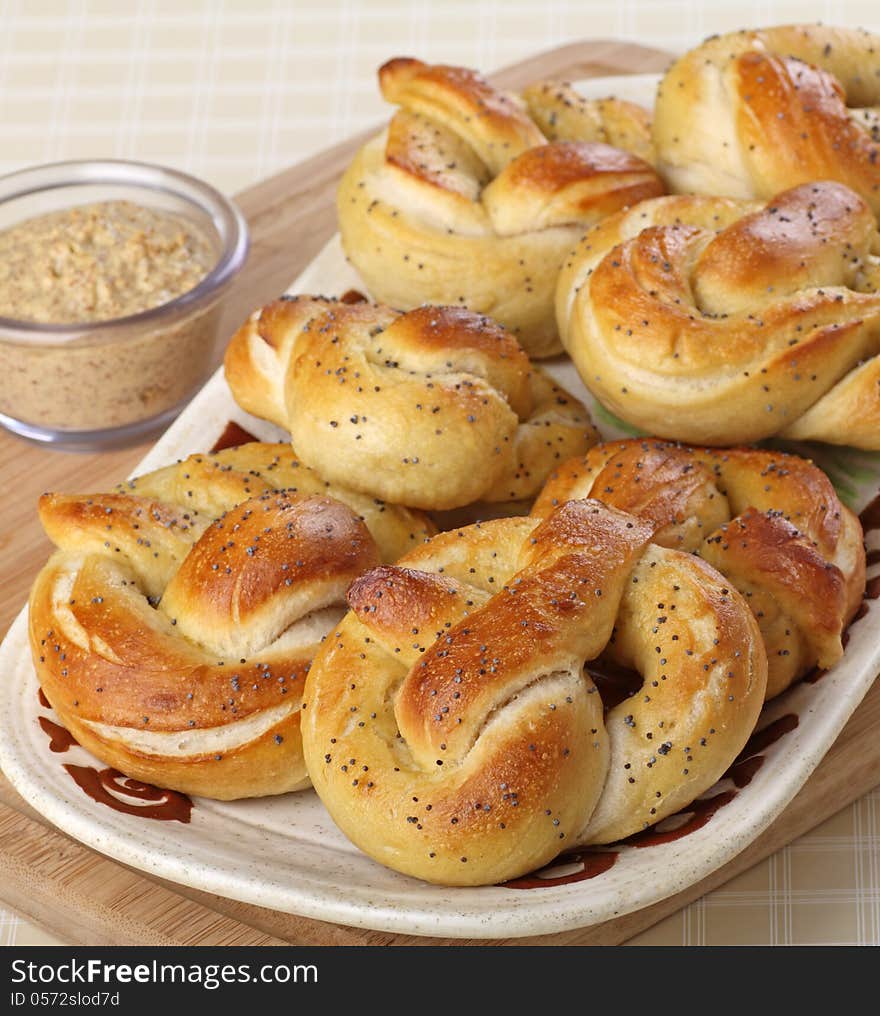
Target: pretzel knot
173 628
751 113
435 408
449 726
715 321
771 523
474 195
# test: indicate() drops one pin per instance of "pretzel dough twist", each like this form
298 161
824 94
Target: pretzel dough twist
752 113
473 196
448 724
715 321
435 408
771 523
173 628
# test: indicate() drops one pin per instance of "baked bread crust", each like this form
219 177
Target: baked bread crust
435 408
173 628
771 523
448 724
752 113
723 322
464 200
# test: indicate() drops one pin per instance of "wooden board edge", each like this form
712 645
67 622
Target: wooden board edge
81 897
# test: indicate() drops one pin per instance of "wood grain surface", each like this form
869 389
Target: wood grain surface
82 897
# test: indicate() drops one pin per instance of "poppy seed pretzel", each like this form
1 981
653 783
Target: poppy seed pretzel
474 195
563 114
173 628
435 408
212 482
722 322
770 523
449 726
751 113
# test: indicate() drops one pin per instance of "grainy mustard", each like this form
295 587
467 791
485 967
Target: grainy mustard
97 262
86 266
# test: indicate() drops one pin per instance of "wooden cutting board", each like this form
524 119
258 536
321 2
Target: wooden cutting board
85 898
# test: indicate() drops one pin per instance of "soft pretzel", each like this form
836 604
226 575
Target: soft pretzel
173 627
563 114
473 196
716 321
435 408
771 523
214 482
449 726
751 113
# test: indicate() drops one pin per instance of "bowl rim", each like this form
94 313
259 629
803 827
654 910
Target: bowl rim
225 215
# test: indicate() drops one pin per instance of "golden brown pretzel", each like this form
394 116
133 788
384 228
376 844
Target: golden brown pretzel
464 200
448 724
771 523
722 322
213 482
563 114
751 113
173 627
435 408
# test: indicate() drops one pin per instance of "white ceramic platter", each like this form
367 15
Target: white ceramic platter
285 853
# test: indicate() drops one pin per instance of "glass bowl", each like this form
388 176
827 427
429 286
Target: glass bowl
108 383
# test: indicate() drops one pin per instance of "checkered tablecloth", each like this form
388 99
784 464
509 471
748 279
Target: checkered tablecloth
238 90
